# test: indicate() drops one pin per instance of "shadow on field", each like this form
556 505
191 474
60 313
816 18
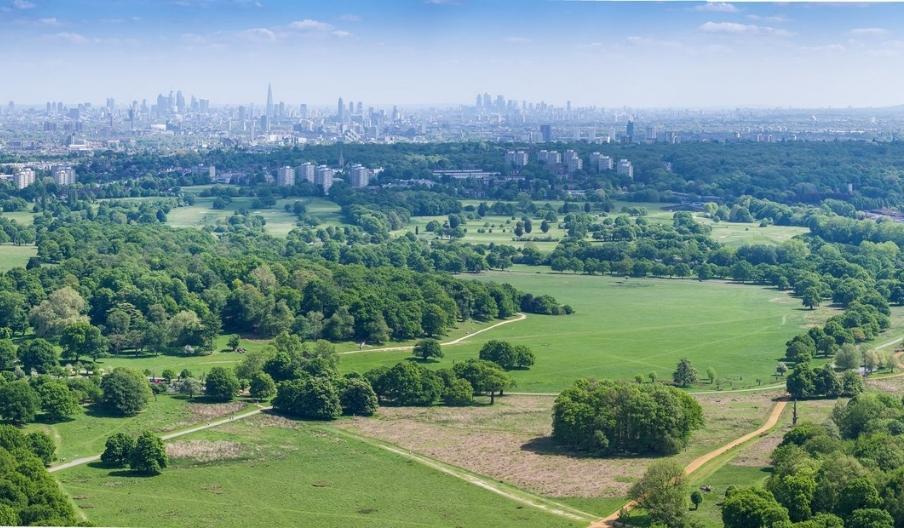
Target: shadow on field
545 445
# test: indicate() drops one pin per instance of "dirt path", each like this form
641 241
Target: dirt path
511 493
168 436
700 461
519 317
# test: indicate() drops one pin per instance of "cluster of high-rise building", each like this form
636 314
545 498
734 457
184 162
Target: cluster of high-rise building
356 175
175 120
23 176
570 161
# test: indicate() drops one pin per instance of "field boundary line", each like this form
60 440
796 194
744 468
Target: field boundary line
168 436
519 317
510 492
700 461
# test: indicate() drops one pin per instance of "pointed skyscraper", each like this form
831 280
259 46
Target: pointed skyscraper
269 102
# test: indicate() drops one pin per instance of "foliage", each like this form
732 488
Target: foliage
148 456
221 384
356 397
19 403
662 493
262 387
608 417
427 349
125 392
312 398
117 450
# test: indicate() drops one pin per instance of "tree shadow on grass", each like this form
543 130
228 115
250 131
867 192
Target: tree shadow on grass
546 445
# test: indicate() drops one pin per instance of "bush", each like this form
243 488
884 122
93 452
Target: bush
125 392
607 417
428 349
506 355
117 450
221 385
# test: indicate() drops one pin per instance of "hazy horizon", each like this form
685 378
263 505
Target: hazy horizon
443 52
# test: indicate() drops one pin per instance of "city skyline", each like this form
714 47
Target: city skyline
667 54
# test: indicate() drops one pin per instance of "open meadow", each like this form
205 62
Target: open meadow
268 471
12 256
627 327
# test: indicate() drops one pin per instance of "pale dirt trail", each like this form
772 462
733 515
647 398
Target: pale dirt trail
519 317
168 436
697 463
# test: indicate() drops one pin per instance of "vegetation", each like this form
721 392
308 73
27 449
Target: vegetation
609 417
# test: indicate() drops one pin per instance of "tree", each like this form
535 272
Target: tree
18 402
711 374
406 383
7 355
221 384
61 309
117 450
458 392
189 386
41 445
752 508
57 401
617 417
125 392
12 311
262 386
696 499
149 455
870 518
485 377
811 298
168 374
685 374
427 349
434 320
312 398
801 383
848 357
795 492
662 492
37 355
357 397
82 338
234 342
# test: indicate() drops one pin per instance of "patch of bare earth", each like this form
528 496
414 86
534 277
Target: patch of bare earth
205 450
510 441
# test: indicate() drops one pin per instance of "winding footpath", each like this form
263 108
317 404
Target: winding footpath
697 463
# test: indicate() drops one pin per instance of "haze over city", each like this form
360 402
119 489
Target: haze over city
441 52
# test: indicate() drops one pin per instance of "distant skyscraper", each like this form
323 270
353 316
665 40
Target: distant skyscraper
340 114
269 102
629 131
546 132
285 176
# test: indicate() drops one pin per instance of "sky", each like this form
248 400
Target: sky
407 52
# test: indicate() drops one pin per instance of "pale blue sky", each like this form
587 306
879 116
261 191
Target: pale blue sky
445 51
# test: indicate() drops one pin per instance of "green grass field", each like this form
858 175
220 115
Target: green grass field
22 217
86 433
12 256
268 471
279 222
222 357
626 327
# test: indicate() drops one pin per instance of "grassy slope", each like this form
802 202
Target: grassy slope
15 256
302 476
625 327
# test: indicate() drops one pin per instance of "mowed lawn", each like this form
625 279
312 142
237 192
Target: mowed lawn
627 327
266 471
12 256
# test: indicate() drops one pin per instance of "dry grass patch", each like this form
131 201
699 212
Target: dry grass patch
510 441
205 450
204 411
